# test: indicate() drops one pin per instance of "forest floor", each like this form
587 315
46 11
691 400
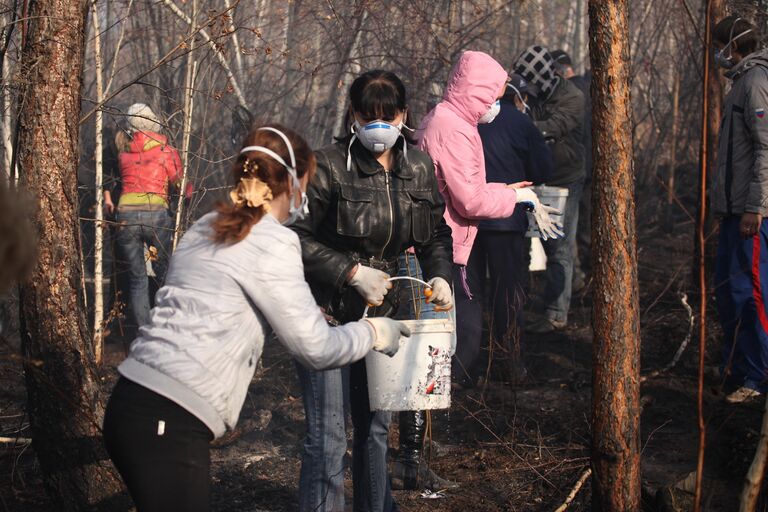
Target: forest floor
513 448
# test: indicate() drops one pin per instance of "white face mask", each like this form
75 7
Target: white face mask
295 212
489 116
377 136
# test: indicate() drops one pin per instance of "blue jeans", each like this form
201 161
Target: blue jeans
741 289
321 481
135 228
560 253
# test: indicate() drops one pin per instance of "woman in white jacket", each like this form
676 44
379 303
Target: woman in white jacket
236 277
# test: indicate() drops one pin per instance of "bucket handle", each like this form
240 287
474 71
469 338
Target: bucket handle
398 278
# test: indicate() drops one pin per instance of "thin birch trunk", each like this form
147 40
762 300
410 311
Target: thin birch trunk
6 122
216 51
187 130
98 257
235 39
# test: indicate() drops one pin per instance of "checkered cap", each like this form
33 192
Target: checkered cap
537 66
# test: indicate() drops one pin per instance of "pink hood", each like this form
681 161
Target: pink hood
449 134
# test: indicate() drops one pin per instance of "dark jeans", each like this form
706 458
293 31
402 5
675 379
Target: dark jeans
503 254
136 228
560 255
166 466
321 483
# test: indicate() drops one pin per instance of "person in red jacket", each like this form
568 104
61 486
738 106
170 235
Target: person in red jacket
147 166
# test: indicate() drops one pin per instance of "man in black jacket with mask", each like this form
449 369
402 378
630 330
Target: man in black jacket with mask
559 114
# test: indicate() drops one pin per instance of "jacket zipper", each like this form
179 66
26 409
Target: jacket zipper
391 215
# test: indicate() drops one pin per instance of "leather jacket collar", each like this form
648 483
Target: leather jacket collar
368 165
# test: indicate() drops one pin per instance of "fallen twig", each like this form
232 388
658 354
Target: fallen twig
575 490
681 349
15 440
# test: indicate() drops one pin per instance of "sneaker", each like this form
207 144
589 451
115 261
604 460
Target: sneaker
742 395
544 326
406 478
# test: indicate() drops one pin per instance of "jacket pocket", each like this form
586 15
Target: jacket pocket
421 215
354 216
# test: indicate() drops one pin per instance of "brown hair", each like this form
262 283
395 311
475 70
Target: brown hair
732 26
234 222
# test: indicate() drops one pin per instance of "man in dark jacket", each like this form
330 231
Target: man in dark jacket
514 151
559 115
739 196
564 67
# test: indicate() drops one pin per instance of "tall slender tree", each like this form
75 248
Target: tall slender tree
62 387
615 319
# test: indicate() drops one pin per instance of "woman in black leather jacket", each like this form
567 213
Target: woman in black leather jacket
371 199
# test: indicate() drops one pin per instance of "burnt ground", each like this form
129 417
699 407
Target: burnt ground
512 448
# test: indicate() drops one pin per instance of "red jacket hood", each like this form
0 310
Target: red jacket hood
145 141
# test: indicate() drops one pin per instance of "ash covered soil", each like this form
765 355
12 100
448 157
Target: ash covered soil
511 448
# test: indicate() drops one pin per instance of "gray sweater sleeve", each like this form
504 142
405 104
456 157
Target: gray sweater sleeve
756 114
283 296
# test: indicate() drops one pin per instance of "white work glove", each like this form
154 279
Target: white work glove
547 227
388 333
440 293
371 284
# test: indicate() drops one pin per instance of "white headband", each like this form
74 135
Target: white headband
291 168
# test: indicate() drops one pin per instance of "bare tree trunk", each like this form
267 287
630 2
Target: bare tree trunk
6 125
235 38
216 51
579 44
615 319
347 74
187 130
673 138
754 479
64 403
711 105
98 257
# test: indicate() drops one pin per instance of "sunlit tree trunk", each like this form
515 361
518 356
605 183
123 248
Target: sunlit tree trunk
64 404
98 256
616 346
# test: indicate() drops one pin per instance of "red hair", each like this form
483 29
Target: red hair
234 222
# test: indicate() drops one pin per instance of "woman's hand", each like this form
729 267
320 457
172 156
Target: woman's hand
440 293
388 334
519 184
371 284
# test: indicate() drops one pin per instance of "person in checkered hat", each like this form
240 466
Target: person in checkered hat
559 114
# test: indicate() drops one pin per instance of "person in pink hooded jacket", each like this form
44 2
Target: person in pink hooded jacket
449 135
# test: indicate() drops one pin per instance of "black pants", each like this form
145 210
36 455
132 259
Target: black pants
161 450
503 255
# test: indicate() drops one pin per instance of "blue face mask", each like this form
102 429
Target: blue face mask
295 212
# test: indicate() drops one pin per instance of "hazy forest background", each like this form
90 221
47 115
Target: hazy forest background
210 68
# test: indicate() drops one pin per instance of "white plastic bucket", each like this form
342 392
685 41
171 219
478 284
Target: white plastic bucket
538 256
418 377
555 197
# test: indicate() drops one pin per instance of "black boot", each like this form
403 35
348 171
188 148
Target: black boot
408 471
